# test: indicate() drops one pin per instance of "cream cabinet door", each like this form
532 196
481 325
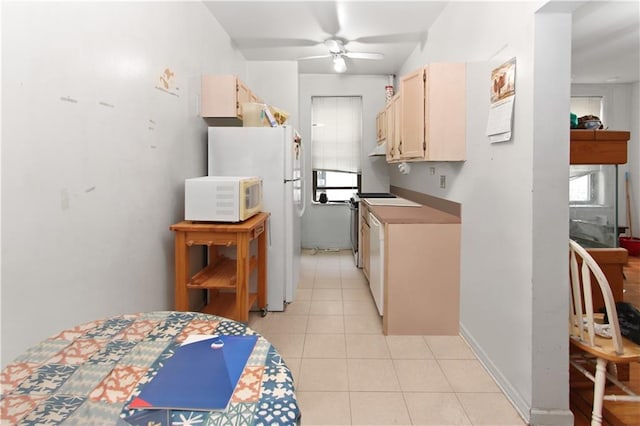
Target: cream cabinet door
243 95
397 128
381 126
445 112
411 144
254 98
219 96
433 113
393 129
223 96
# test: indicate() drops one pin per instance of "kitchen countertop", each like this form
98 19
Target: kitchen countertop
422 214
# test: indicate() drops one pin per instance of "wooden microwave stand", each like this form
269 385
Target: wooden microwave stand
227 280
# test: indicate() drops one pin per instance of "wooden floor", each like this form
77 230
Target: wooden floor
615 413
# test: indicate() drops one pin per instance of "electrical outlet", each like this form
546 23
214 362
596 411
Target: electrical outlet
432 170
443 181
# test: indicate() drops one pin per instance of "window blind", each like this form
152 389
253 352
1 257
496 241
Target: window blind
336 133
587 105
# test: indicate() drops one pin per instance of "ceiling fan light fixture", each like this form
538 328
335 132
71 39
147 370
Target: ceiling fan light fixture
334 45
339 65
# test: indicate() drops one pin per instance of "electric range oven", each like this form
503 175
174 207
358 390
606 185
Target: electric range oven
355 225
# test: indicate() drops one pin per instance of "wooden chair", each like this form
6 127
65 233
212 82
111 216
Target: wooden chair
597 342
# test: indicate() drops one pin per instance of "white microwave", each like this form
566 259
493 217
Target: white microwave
222 198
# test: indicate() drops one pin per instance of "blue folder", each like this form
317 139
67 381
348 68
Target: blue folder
198 377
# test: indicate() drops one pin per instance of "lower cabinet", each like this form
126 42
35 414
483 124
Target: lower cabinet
421 278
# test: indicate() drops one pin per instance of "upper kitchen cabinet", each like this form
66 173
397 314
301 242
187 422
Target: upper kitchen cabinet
433 118
222 99
393 111
381 126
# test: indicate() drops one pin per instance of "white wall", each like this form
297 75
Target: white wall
618 114
514 225
276 82
94 156
327 226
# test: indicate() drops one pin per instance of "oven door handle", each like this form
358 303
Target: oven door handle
353 208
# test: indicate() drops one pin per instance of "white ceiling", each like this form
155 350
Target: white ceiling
606 42
271 30
606 34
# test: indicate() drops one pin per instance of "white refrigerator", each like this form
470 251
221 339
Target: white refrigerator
276 155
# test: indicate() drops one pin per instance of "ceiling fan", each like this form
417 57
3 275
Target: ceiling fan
338 52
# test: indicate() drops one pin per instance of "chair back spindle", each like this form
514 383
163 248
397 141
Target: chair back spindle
583 299
599 341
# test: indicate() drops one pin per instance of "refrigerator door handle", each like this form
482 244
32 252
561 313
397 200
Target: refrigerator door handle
303 194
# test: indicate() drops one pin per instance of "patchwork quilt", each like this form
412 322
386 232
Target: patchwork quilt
88 375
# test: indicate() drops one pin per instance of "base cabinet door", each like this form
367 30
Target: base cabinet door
422 279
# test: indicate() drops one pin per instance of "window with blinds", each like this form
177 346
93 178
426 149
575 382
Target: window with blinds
587 105
336 137
585 186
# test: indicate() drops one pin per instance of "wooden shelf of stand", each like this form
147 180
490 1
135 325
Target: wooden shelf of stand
224 304
598 146
220 274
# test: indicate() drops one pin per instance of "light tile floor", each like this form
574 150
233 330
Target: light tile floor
346 372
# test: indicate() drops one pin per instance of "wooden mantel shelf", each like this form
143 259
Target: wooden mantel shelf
598 147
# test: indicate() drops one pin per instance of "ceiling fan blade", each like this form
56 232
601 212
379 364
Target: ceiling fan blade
313 57
326 13
260 42
363 55
392 38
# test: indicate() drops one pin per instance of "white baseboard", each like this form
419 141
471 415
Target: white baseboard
541 417
531 416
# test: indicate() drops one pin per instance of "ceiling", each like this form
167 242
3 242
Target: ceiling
606 34
296 29
606 42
